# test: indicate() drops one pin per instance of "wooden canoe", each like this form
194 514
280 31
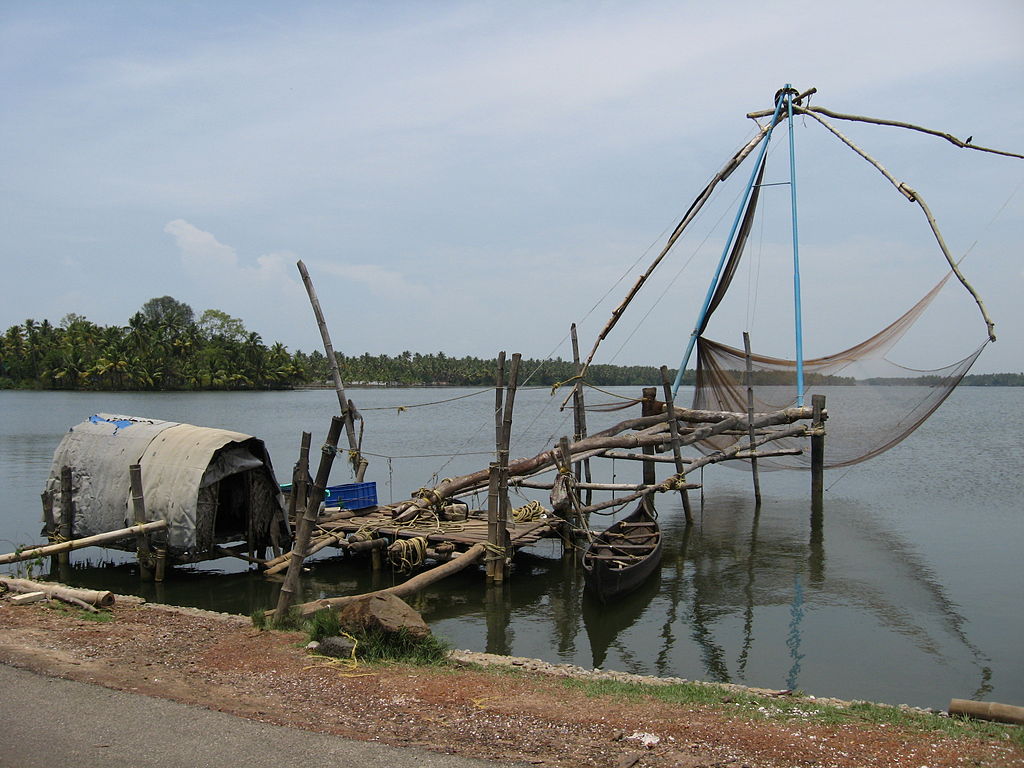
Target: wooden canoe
621 558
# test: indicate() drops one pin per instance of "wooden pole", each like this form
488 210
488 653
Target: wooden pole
499 398
88 541
304 527
648 408
139 512
359 463
818 448
67 520
676 455
300 485
579 413
492 518
50 523
750 416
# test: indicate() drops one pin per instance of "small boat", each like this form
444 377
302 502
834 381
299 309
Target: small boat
622 558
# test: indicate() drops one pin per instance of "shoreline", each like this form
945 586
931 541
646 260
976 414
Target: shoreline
482 706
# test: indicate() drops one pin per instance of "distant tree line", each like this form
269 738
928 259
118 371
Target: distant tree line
164 347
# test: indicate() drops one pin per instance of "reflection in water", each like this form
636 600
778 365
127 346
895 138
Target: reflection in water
734 601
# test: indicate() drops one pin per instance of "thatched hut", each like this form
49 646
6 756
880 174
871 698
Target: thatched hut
212 486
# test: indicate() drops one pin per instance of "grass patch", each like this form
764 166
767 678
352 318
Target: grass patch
80 613
789 709
375 646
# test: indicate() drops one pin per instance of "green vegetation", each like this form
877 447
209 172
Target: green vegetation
758 707
164 347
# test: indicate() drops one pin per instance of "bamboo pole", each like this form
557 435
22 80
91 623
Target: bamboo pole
359 463
987 710
493 502
139 513
50 523
676 455
499 396
413 585
750 415
88 541
305 526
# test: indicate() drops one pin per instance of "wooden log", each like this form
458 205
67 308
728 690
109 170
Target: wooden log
88 541
304 527
413 585
547 486
987 710
714 422
101 598
27 598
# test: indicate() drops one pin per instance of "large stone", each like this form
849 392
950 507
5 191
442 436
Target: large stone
384 612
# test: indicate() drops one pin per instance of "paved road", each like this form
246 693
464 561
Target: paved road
47 722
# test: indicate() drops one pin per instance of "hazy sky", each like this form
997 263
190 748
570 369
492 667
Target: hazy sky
468 177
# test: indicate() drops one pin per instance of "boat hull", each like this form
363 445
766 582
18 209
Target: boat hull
623 557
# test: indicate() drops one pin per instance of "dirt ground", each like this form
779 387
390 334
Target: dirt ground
223 663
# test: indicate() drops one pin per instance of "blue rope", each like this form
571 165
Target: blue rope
725 251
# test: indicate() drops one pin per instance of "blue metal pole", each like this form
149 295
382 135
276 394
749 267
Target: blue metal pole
725 253
798 320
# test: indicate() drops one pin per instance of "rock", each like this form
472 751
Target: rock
337 646
383 612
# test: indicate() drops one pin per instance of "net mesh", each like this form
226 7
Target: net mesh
872 402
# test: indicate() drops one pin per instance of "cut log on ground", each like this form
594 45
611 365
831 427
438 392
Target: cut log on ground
91 597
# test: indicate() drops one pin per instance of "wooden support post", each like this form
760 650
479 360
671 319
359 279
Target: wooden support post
818 448
161 565
673 426
50 523
750 417
359 463
493 502
648 408
304 526
139 513
503 453
579 415
67 520
300 481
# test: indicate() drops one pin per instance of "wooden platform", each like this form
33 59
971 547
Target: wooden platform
462 533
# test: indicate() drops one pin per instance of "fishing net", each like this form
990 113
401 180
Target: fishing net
872 402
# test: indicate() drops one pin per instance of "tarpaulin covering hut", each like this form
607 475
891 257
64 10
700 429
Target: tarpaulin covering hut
212 486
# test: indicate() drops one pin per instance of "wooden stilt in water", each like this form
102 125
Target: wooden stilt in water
67 521
304 526
161 565
493 503
579 415
501 531
50 523
648 408
139 513
674 431
818 448
750 416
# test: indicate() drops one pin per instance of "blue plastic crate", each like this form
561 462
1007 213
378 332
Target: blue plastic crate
352 495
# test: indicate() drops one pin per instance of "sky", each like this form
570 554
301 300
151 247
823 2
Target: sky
470 177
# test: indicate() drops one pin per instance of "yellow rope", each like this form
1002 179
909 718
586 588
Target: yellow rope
406 554
529 512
